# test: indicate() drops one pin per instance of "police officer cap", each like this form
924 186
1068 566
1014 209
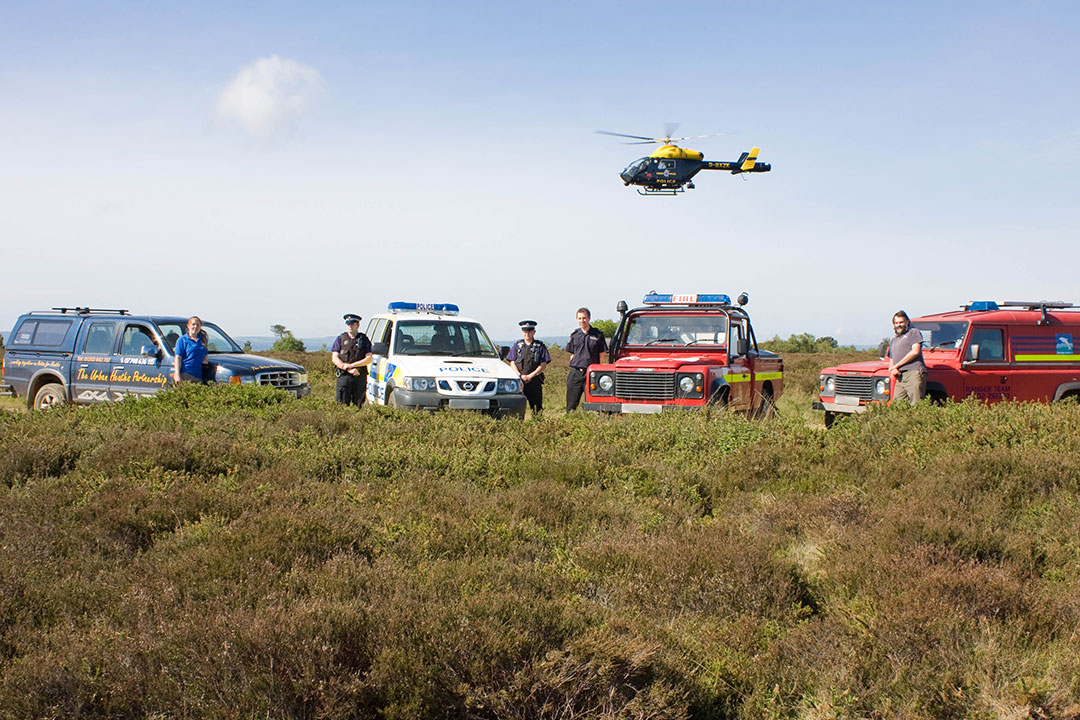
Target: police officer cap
527 324
351 317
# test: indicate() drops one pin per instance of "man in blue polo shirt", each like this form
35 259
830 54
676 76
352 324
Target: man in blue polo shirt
190 353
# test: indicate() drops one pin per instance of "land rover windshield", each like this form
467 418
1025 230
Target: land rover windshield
216 339
652 329
442 337
942 335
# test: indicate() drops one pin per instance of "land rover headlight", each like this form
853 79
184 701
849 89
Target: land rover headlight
601 383
691 385
827 384
881 387
509 386
419 384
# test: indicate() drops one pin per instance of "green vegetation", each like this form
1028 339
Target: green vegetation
233 552
286 341
608 327
804 343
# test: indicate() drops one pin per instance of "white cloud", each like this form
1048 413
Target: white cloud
269 95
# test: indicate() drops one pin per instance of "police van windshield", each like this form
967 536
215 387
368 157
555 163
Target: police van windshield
945 335
654 329
442 337
216 339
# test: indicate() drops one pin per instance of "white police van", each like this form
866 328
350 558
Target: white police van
426 356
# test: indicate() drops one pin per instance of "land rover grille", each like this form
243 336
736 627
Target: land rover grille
860 387
645 385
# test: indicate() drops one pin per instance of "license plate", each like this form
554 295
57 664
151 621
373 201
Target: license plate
642 409
468 404
847 400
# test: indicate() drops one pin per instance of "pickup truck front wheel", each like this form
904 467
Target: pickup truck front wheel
50 396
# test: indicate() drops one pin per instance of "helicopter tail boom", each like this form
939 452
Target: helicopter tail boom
747 163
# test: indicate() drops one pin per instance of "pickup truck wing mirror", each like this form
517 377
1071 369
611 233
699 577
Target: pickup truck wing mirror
380 348
150 351
742 346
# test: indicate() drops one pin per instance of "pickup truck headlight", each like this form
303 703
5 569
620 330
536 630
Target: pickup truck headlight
601 383
302 377
509 386
419 384
691 385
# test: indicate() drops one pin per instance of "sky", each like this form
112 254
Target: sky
287 162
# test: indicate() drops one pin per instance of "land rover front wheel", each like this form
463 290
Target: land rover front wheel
50 396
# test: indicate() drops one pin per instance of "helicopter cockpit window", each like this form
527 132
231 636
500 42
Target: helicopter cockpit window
636 166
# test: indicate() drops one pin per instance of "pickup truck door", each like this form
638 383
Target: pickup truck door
987 375
92 362
140 367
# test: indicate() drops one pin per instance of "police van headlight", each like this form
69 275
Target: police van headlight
691 385
601 383
881 387
419 384
509 386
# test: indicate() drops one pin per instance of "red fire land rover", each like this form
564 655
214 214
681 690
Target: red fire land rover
994 351
684 351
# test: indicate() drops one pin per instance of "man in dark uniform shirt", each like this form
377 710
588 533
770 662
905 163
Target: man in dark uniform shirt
586 344
529 357
351 353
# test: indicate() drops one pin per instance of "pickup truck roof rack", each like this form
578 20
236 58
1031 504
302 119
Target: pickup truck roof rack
88 310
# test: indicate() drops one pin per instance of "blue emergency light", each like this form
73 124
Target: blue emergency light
671 299
983 305
437 308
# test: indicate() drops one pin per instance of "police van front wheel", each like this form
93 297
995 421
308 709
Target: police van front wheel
50 396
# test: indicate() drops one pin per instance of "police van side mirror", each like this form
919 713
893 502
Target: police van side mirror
742 346
380 348
504 350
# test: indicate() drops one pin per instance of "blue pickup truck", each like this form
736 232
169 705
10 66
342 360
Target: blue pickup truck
85 356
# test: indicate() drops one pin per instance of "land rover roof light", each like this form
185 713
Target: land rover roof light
437 308
654 298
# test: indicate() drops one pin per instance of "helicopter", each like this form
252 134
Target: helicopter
670 169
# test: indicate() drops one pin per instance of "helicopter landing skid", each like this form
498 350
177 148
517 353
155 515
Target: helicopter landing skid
660 191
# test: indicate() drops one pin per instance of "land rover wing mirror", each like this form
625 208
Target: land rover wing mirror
742 346
973 352
380 348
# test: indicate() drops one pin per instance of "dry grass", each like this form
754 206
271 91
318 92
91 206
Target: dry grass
231 552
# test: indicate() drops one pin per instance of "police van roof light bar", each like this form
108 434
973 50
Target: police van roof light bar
671 299
437 308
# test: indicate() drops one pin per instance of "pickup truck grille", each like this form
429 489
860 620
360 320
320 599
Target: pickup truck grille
860 387
279 378
645 385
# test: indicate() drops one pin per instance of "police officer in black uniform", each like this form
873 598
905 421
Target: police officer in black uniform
351 354
529 357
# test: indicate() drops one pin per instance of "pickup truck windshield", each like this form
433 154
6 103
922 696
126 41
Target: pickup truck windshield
442 337
946 335
655 329
216 339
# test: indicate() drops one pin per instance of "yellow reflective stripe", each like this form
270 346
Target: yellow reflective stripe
1047 358
770 376
737 377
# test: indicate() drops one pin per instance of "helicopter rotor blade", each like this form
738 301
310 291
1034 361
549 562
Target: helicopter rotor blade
669 130
636 137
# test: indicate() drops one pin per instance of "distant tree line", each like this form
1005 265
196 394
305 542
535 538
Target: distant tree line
805 343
